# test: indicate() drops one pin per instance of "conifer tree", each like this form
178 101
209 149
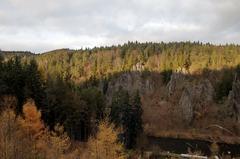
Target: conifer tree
34 87
120 104
32 121
106 144
137 114
127 115
132 121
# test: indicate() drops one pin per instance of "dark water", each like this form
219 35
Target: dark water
180 146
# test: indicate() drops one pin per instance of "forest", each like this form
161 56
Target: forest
103 102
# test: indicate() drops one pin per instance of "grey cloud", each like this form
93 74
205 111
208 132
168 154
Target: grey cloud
48 24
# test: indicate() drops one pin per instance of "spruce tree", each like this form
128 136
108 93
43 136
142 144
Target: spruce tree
34 87
127 115
120 103
133 121
137 111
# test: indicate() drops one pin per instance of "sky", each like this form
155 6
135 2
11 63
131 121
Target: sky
43 25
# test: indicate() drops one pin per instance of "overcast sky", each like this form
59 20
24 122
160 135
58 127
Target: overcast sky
41 25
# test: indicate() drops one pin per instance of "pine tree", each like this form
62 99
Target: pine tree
14 80
120 104
137 111
127 115
34 87
133 121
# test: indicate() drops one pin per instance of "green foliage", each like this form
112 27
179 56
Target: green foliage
224 85
34 87
127 114
66 107
81 65
96 106
166 76
237 71
120 103
79 110
133 121
19 80
69 86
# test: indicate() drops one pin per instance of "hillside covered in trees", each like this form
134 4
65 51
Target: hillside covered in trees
184 89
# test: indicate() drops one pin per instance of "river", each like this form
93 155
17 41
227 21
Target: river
182 146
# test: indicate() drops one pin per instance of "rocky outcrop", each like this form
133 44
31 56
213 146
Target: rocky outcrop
234 98
185 106
177 82
194 98
190 96
131 81
204 91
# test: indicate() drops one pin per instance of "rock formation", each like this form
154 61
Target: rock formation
176 82
131 81
234 98
194 98
188 96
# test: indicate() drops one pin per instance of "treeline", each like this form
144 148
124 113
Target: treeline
101 63
80 65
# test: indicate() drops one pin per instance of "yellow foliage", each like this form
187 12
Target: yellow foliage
59 141
105 145
14 142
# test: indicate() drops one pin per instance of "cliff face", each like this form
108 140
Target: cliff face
194 99
234 99
131 81
186 101
177 83
190 95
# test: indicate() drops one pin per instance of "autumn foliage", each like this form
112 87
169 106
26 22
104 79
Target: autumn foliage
26 137
106 145
31 120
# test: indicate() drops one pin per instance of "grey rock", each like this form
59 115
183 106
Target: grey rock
176 82
234 98
194 98
130 81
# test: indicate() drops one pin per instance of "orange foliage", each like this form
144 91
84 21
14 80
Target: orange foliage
32 119
26 137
